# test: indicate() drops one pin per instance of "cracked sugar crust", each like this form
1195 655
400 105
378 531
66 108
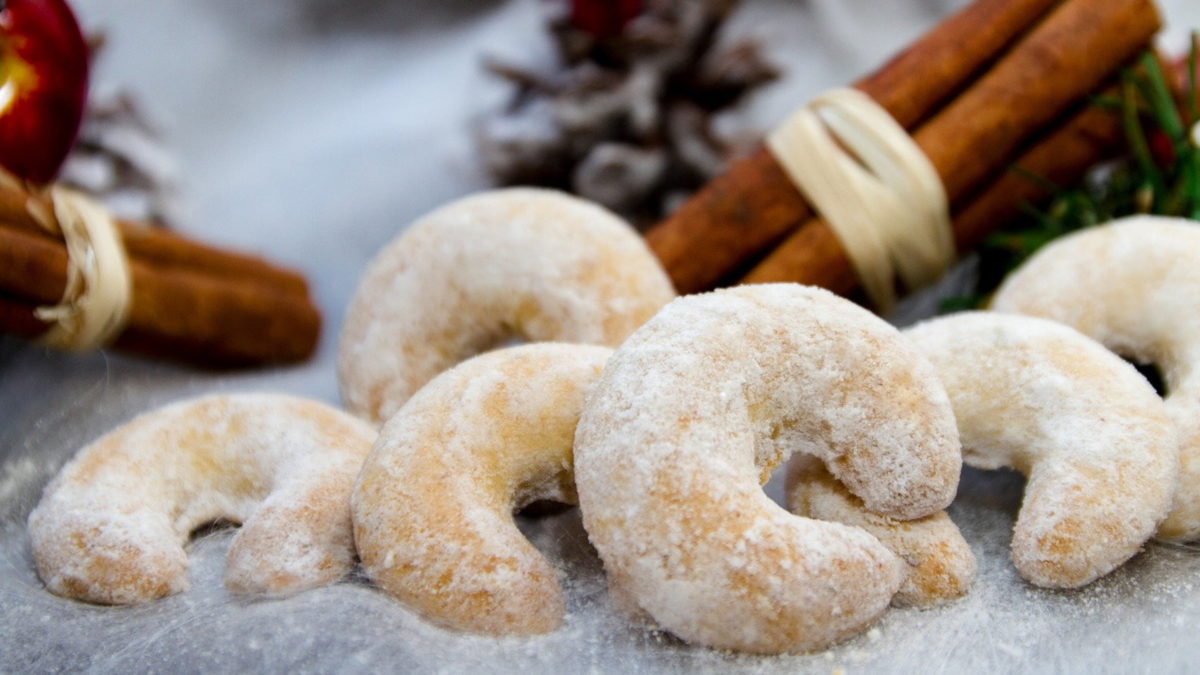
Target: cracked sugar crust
939 565
526 263
433 508
1095 441
1134 286
688 420
111 526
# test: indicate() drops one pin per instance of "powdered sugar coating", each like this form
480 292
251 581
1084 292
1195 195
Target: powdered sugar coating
939 564
111 527
1134 286
518 262
691 415
1094 440
433 507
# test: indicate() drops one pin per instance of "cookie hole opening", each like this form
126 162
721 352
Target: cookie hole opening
510 338
213 527
561 538
776 487
1152 374
542 507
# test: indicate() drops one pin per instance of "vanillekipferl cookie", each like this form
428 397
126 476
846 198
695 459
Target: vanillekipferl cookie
519 263
433 508
1131 285
1089 432
689 418
112 525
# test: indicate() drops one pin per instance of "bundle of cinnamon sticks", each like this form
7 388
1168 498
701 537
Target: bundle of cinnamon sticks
1001 82
190 302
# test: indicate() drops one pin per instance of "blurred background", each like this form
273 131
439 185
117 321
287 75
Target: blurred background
313 130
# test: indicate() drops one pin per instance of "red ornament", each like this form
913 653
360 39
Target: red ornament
43 86
604 18
1161 148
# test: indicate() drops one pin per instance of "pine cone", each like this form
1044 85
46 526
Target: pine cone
624 118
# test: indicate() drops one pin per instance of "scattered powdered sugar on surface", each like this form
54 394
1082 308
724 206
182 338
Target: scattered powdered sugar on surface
1132 619
1140 617
18 474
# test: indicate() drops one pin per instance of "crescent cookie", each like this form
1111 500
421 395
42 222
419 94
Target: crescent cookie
691 415
433 508
1134 286
939 564
111 527
1094 440
529 263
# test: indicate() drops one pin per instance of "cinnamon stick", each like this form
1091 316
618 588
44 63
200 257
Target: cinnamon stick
752 206
158 246
181 313
1062 157
1060 61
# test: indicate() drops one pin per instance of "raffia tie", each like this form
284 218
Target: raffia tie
95 303
878 192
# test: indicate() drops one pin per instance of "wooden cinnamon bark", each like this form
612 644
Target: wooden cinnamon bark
158 246
1063 59
1062 157
754 205
177 313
